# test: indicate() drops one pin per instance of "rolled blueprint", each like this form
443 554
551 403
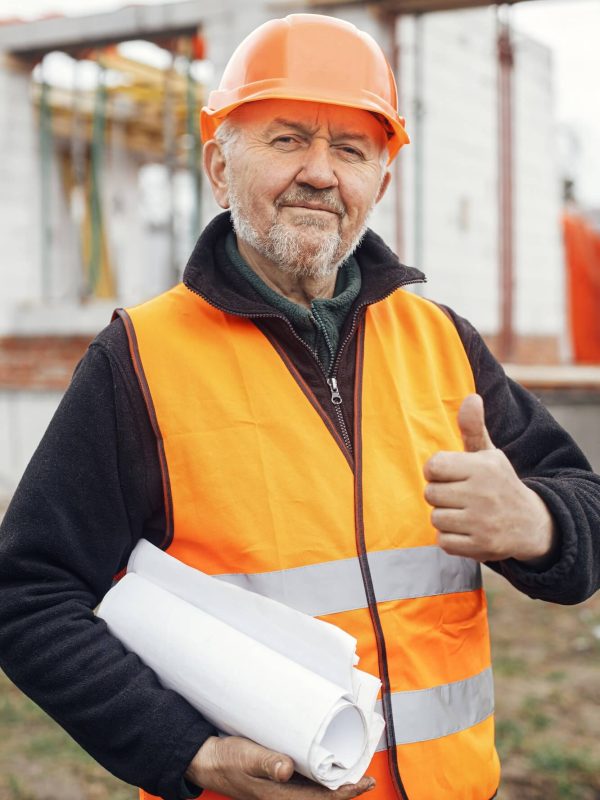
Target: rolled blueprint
251 665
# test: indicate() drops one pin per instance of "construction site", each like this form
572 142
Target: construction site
103 198
103 194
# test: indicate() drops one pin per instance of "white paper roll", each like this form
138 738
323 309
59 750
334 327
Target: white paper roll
239 682
326 649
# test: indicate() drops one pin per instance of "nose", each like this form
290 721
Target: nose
317 166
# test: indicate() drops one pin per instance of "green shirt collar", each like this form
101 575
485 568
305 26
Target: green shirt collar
320 325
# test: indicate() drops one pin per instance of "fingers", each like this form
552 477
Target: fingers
448 466
263 764
450 520
244 770
301 788
457 544
365 784
452 494
304 789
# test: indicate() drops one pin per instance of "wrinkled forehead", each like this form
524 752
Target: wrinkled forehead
313 118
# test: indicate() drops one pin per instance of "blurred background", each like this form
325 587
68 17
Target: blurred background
497 199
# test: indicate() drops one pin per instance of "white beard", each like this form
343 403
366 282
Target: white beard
289 245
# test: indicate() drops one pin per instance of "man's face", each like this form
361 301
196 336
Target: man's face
301 179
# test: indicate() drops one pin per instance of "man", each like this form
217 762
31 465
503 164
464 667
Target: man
290 416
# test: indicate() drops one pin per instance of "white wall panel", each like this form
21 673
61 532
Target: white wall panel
539 271
19 178
24 417
459 177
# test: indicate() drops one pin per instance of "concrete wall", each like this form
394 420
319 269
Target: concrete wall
20 274
539 260
450 191
454 191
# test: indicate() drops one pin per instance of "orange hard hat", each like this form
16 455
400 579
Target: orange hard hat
309 57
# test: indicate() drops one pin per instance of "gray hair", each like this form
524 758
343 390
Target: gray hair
227 136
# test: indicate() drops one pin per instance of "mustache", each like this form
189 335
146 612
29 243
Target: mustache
324 197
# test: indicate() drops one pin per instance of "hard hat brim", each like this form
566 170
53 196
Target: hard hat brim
219 109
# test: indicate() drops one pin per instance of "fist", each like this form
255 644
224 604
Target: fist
481 508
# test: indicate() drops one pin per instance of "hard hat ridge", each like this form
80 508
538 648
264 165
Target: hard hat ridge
309 57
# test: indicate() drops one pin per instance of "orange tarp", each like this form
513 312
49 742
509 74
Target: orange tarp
582 249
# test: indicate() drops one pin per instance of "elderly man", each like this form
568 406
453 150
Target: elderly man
290 415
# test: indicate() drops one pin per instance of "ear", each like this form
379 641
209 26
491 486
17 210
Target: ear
213 160
384 185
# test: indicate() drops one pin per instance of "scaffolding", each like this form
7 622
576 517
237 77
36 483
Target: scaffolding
152 114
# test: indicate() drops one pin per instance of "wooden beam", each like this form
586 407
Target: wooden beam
71 35
142 73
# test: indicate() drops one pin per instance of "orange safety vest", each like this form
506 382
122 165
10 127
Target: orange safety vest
260 490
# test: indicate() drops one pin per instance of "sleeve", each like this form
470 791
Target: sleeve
549 462
83 502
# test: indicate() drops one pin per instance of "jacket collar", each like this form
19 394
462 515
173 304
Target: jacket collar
210 273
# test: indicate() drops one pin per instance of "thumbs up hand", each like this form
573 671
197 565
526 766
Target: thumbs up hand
481 508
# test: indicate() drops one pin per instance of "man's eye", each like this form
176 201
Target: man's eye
285 141
351 152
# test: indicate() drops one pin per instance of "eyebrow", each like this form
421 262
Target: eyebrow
280 122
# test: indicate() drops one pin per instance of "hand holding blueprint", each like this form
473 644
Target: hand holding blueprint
251 665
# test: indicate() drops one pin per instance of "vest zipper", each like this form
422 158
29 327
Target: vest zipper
336 397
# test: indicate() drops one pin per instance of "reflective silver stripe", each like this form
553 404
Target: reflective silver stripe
334 586
432 713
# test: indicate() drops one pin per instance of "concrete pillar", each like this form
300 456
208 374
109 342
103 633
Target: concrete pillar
20 276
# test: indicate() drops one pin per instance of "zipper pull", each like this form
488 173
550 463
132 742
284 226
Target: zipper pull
336 397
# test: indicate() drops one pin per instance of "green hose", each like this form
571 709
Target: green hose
96 162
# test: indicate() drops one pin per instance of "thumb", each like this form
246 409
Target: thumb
264 763
471 421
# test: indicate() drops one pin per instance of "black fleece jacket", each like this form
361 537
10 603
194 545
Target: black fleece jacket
93 488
